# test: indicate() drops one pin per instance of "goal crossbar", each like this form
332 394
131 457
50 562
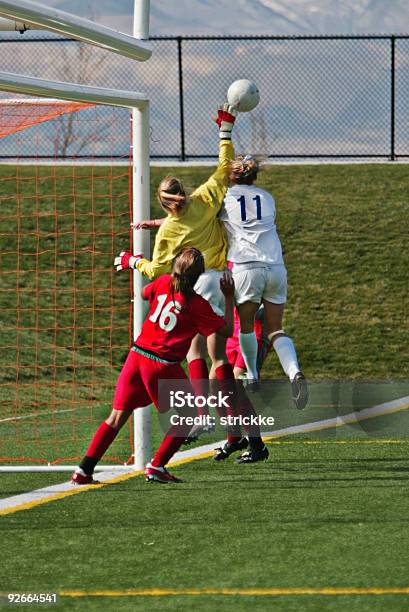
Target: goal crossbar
58 21
21 84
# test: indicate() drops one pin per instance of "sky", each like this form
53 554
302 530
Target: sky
274 17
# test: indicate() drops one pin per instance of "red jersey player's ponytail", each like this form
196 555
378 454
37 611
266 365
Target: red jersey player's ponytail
186 269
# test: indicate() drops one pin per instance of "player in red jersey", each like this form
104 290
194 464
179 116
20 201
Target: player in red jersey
176 315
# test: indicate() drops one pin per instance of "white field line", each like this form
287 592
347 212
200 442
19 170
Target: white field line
33 498
338 421
35 415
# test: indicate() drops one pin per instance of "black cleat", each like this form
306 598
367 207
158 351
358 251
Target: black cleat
229 448
252 385
198 431
254 456
300 391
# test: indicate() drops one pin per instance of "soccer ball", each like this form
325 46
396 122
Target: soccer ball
243 95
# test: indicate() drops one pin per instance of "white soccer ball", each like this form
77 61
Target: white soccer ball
243 95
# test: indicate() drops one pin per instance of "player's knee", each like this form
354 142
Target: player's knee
117 418
247 327
273 336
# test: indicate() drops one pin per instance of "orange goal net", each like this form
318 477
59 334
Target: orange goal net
65 312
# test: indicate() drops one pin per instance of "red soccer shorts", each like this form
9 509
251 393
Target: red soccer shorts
137 384
234 354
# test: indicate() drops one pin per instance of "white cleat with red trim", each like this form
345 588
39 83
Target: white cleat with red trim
159 474
81 478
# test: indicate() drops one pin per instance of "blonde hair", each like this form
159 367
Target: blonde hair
187 266
171 194
244 169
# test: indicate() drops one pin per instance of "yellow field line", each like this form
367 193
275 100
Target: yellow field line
252 592
82 488
312 428
321 442
55 496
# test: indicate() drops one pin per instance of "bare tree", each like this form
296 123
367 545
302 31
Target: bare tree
83 64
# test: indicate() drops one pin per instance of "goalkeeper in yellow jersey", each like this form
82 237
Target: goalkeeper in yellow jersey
192 221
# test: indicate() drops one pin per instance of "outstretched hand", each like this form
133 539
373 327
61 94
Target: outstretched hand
227 285
126 260
147 224
226 116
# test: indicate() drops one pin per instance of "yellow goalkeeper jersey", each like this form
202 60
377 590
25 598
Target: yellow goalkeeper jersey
197 226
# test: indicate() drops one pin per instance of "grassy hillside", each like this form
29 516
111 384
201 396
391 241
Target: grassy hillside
343 230
65 311
321 525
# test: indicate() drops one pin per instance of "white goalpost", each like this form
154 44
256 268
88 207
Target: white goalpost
37 16
30 13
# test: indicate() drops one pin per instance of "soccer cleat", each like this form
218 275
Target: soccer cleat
230 447
252 385
81 478
197 431
300 391
161 475
254 456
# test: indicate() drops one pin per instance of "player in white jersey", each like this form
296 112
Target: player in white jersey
259 272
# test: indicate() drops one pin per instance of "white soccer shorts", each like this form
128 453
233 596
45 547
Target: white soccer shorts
208 286
260 283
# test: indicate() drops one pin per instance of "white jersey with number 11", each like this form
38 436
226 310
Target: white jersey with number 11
249 214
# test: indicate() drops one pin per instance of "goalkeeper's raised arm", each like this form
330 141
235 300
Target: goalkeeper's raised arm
192 219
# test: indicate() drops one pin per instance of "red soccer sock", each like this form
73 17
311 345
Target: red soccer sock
169 446
225 377
198 369
103 437
199 379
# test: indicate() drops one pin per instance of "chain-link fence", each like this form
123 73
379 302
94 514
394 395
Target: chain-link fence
321 97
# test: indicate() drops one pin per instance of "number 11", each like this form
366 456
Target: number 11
242 201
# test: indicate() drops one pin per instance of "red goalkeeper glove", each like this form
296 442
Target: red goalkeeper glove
126 260
226 116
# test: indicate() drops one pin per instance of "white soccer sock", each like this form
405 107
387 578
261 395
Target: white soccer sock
249 347
285 349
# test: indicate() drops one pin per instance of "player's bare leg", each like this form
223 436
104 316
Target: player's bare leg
247 337
223 372
198 370
199 378
118 418
285 349
238 372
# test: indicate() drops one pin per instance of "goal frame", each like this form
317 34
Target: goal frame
27 15
139 104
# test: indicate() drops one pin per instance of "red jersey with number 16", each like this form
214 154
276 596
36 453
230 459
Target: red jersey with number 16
171 325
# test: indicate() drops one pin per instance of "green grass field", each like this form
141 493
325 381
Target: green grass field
314 516
328 509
